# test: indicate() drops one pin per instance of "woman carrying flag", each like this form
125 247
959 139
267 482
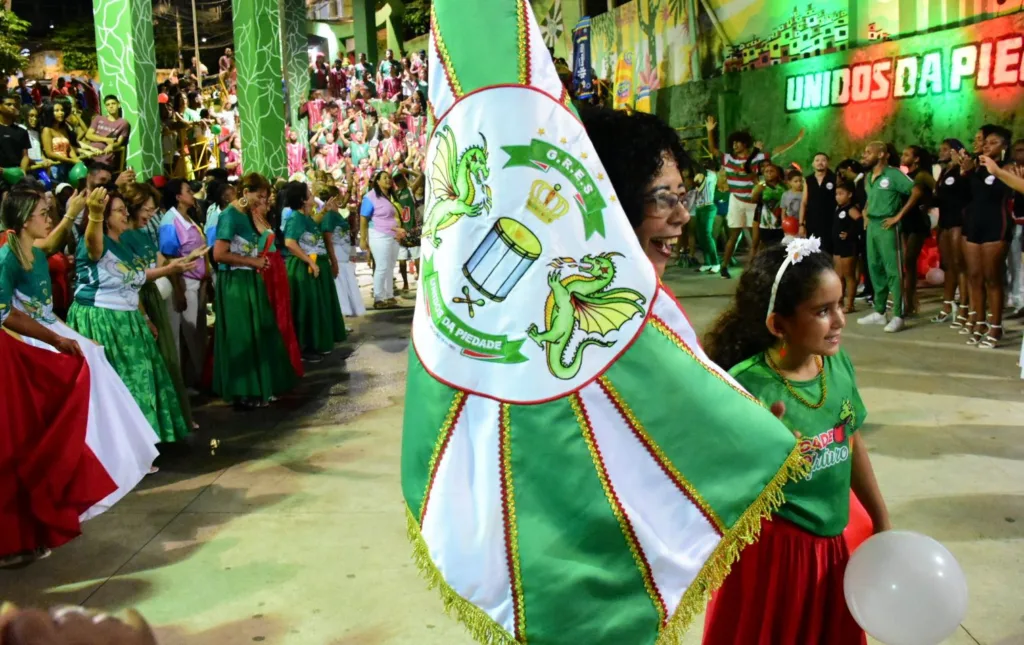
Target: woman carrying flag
118 433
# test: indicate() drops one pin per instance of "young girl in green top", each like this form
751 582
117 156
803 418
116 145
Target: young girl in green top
106 309
250 363
780 340
315 309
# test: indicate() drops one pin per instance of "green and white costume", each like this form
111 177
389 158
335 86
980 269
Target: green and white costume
141 244
315 308
106 309
575 469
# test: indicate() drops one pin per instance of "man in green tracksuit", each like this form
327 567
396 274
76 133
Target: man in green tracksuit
888 191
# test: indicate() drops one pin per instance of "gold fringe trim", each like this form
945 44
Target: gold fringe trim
744 532
523 38
481 627
511 525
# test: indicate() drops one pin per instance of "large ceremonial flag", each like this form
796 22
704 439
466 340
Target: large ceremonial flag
575 469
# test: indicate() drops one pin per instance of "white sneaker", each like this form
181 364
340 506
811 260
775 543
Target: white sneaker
873 318
896 324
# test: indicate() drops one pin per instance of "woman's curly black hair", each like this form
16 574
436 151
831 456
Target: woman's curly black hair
631 148
740 331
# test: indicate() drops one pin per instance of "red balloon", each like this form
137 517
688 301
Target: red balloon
859 527
790 225
162 98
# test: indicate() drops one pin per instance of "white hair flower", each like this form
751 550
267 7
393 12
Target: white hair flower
799 247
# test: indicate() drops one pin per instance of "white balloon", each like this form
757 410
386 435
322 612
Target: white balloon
905 588
935 276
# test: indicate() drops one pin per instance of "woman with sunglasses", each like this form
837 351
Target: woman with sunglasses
379 233
250 365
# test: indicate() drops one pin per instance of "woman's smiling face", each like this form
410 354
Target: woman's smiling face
664 214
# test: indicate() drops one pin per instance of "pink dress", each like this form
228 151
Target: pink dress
296 158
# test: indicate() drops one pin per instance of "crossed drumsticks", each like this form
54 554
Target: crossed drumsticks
469 302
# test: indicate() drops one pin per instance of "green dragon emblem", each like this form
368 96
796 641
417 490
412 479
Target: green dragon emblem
847 415
453 184
583 303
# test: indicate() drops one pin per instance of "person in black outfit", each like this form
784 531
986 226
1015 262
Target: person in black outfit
850 170
14 143
818 208
847 230
952 194
987 228
916 225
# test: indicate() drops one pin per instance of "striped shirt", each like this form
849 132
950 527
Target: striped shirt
741 182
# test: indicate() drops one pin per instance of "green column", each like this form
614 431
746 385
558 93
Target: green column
260 91
908 17
295 55
364 22
127 68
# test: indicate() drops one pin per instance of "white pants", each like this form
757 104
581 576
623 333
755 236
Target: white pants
1014 269
190 325
346 284
385 254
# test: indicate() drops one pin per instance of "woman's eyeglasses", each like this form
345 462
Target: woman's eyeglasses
665 200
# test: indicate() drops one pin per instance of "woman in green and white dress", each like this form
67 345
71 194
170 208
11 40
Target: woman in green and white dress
106 309
315 308
250 362
141 201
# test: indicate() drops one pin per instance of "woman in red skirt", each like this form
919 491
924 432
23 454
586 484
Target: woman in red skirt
780 340
48 476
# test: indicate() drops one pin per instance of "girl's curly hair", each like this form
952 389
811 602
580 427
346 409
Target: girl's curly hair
631 148
740 331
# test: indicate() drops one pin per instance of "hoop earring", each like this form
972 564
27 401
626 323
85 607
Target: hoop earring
244 202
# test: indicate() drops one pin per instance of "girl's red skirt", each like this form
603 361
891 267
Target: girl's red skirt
785 589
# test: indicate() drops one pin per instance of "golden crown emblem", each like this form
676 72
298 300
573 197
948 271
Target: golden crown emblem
545 202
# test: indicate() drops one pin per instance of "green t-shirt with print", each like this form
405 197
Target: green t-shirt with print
29 291
306 233
236 228
887 192
141 244
819 503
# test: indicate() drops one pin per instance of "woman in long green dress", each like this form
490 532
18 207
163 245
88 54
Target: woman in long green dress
141 201
106 309
315 307
250 363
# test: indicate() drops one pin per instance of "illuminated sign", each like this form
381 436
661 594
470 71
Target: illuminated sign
990 63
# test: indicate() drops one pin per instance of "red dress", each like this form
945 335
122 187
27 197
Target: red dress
786 588
279 294
60 268
48 476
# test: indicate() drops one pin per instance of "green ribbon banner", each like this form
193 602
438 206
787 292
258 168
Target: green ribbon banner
543 155
474 343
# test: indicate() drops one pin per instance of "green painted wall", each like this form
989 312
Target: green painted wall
295 55
257 26
127 65
756 100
